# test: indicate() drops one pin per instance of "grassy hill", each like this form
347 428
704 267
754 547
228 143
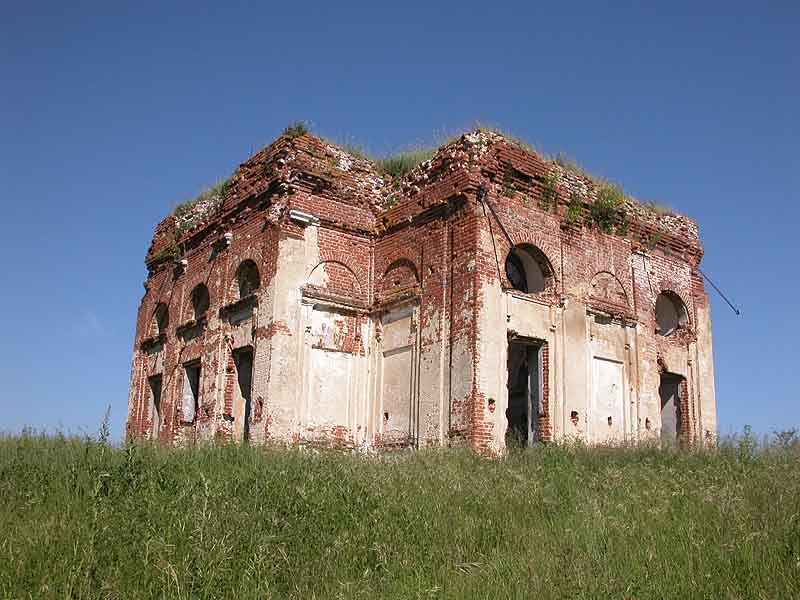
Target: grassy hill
81 519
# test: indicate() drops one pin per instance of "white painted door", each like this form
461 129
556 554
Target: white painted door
608 405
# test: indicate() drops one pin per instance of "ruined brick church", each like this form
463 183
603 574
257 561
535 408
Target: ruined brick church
487 297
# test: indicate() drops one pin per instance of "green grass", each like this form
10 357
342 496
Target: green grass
80 519
401 163
296 129
659 208
606 209
210 200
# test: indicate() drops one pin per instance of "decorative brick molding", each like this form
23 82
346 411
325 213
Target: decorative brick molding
362 245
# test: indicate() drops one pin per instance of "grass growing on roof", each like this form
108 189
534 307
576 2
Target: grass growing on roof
658 208
574 212
398 164
208 202
83 519
571 165
510 137
401 163
606 209
296 129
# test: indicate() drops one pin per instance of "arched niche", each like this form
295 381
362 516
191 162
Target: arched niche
200 301
336 278
160 320
248 279
671 313
606 288
400 275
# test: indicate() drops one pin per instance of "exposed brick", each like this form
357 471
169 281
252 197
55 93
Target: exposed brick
440 249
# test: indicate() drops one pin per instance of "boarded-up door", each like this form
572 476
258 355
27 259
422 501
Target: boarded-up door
608 407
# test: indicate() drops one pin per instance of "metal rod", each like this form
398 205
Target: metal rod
484 200
719 291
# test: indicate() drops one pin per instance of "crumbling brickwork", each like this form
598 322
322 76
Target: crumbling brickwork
489 294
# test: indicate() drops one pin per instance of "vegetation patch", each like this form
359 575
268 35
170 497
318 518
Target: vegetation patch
171 252
657 208
607 212
623 223
296 129
509 187
355 150
607 207
82 519
653 240
510 137
574 214
549 197
391 200
196 210
400 164
569 164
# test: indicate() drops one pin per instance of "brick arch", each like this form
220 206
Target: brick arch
607 288
336 277
201 277
382 266
248 277
403 263
399 275
198 301
672 319
671 289
346 260
527 238
159 319
529 248
234 261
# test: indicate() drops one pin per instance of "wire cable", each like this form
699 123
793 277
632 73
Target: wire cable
719 291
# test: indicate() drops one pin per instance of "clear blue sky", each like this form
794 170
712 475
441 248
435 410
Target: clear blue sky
109 116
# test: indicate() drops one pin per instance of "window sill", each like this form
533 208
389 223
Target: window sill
189 326
249 301
153 341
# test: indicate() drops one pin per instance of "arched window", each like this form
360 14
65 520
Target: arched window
160 319
200 301
247 278
528 269
671 313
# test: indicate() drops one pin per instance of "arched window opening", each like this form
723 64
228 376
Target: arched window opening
160 319
527 269
200 301
671 313
247 278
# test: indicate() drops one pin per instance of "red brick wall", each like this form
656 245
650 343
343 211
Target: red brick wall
427 246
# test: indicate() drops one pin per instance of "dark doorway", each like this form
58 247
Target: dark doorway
244 375
155 405
524 393
191 392
670 392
